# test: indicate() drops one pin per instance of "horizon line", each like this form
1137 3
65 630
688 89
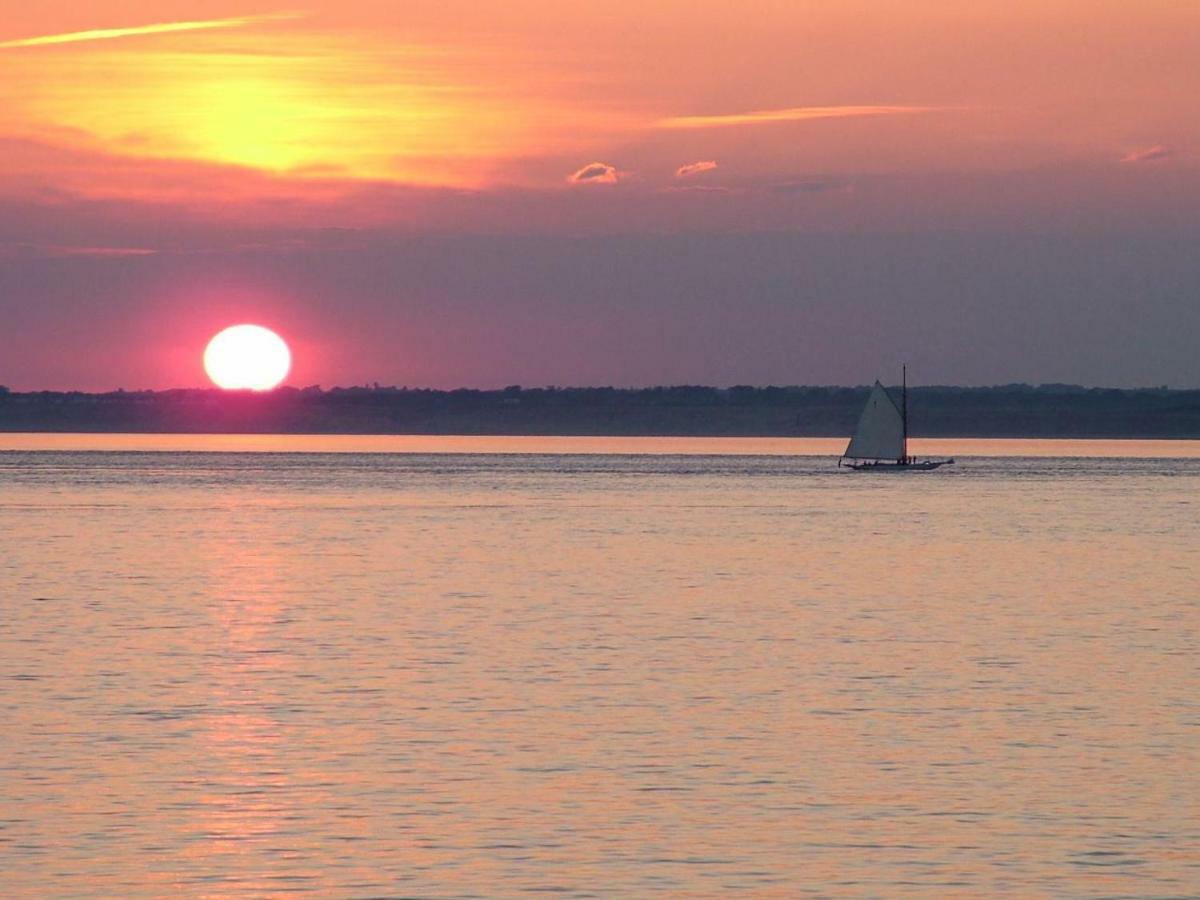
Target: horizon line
376 387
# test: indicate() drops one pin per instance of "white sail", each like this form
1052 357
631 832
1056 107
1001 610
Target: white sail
880 431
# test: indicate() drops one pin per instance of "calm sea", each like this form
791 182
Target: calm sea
481 667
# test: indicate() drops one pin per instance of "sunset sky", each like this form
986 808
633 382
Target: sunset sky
462 193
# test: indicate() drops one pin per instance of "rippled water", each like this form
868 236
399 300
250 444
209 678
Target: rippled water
619 673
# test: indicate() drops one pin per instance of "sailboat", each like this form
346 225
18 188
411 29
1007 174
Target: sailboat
880 442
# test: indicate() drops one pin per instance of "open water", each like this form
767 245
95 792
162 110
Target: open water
496 667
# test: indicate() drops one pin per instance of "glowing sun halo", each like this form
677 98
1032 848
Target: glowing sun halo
247 357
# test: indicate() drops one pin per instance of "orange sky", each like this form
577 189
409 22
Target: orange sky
190 163
467 95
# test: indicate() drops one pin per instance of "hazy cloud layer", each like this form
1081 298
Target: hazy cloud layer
489 310
811 186
297 103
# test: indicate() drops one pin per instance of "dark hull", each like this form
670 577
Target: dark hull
922 466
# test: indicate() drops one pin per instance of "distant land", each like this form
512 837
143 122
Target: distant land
1014 410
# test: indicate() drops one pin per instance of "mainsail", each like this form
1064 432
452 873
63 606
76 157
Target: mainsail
880 431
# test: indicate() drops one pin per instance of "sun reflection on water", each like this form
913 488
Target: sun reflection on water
246 805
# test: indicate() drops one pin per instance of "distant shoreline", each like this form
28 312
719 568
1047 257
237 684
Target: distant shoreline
1010 411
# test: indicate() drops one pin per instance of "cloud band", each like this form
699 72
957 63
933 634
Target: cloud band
792 114
104 34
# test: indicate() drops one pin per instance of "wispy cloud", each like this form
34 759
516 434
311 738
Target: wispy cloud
792 114
595 173
104 34
697 189
1148 154
811 186
696 168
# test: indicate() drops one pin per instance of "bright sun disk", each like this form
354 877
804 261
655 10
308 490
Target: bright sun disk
247 357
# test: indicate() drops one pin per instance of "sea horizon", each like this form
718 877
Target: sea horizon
575 445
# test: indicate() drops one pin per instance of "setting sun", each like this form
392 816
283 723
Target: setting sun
247 357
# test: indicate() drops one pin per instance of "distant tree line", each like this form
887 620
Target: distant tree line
1012 410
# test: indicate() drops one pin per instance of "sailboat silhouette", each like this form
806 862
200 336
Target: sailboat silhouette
880 442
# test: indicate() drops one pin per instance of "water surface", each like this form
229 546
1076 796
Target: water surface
614 668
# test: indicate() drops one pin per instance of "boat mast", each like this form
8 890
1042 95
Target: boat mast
904 407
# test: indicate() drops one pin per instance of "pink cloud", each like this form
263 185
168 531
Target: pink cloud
595 173
696 168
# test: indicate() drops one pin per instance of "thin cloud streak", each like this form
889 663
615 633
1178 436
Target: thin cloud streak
104 34
28 250
792 114
1147 154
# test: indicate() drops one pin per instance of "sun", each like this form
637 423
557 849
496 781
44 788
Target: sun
247 357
